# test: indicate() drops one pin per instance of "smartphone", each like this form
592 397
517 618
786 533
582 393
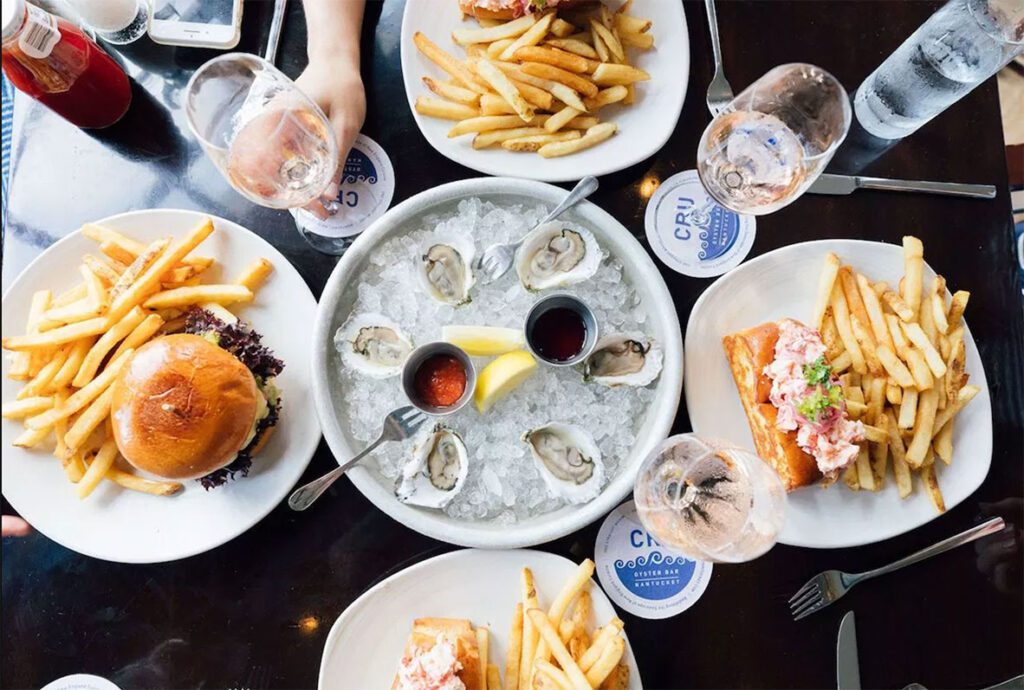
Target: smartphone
204 23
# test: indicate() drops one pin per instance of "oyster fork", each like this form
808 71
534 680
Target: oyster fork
498 258
719 91
825 588
398 426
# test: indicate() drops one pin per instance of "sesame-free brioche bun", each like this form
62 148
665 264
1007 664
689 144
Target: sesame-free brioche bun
183 407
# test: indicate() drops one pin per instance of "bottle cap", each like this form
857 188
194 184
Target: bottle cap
366 188
692 233
639 574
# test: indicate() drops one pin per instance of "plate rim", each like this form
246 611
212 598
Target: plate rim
834 243
362 599
465 533
481 164
282 260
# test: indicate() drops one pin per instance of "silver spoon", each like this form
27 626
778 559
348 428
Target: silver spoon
398 426
498 258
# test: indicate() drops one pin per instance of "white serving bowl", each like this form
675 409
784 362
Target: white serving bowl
336 304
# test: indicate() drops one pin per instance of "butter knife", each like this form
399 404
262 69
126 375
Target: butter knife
847 184
847 668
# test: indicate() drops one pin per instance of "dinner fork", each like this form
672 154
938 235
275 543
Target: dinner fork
398 426
719 91
498 258
825 588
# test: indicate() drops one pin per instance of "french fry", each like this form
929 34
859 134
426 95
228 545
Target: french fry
830 336
197 294
20 361
75 312
98 467
149 281
859 321
610 74
899 341
965 395
919 369
560 119
575 46
901 470
89 420
826 282
82 397
67 297
915 334
99 350
494 50
605 97
446 110
485 123
594 135
841 314
913 270
117 253
58 336
505 88
600 47
609 39
606 663
954 369
938 303
552 677
511 29
627 23
570 590
551 73
26 407
898 306
533 143
908 409
44 378
894 367
601 638
931 483
485 139
570 62
134 482
447 63
635 40
957 306
483 645
31 438
138 265
874 434
101 269
943 443
923 430
452 92
893 394
534 95
874 311
565 661
142 333
95 290
515 650
865 477
530 633
492 104
531 37
619 679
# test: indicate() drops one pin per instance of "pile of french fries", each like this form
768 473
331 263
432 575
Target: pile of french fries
899 352
76 344
537 83
556 649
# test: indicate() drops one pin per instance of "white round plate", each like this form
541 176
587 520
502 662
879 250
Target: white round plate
116 524
782 284
644 127
336 304
366 642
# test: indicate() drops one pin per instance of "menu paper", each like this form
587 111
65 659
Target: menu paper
639 574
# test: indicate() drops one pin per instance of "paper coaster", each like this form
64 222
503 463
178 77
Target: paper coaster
80 681
367 187
692 233
641 576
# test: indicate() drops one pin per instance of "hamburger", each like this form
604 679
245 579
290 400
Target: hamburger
198 404
511 9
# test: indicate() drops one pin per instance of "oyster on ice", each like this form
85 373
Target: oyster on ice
445 268
437 470
373 344
568 460
555 255
623 359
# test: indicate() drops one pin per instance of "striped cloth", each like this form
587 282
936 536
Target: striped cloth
8 125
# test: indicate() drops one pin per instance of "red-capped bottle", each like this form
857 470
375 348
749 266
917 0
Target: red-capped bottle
54 62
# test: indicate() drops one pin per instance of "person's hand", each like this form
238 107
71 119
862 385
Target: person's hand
15 527
335 86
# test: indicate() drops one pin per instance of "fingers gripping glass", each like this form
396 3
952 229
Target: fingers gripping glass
270 141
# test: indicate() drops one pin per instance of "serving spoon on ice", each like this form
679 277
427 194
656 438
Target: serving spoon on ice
498 258
398 426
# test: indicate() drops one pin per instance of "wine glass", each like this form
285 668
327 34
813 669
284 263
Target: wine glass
773 140
710 500
270 141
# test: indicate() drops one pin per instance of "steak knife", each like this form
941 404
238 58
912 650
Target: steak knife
847 184
847 669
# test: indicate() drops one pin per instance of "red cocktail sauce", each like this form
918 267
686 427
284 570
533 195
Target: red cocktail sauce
440 381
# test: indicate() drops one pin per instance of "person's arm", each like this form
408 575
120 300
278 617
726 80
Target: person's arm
332 77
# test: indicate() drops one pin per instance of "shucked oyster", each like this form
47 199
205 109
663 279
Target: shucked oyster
373 345
568 460
554 255
437 470
623 359
444 265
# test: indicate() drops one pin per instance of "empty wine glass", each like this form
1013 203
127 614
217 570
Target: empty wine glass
710 500
270 141
773 140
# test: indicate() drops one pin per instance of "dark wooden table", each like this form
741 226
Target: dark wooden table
255 612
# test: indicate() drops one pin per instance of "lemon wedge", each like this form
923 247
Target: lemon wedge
484 341
501 377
